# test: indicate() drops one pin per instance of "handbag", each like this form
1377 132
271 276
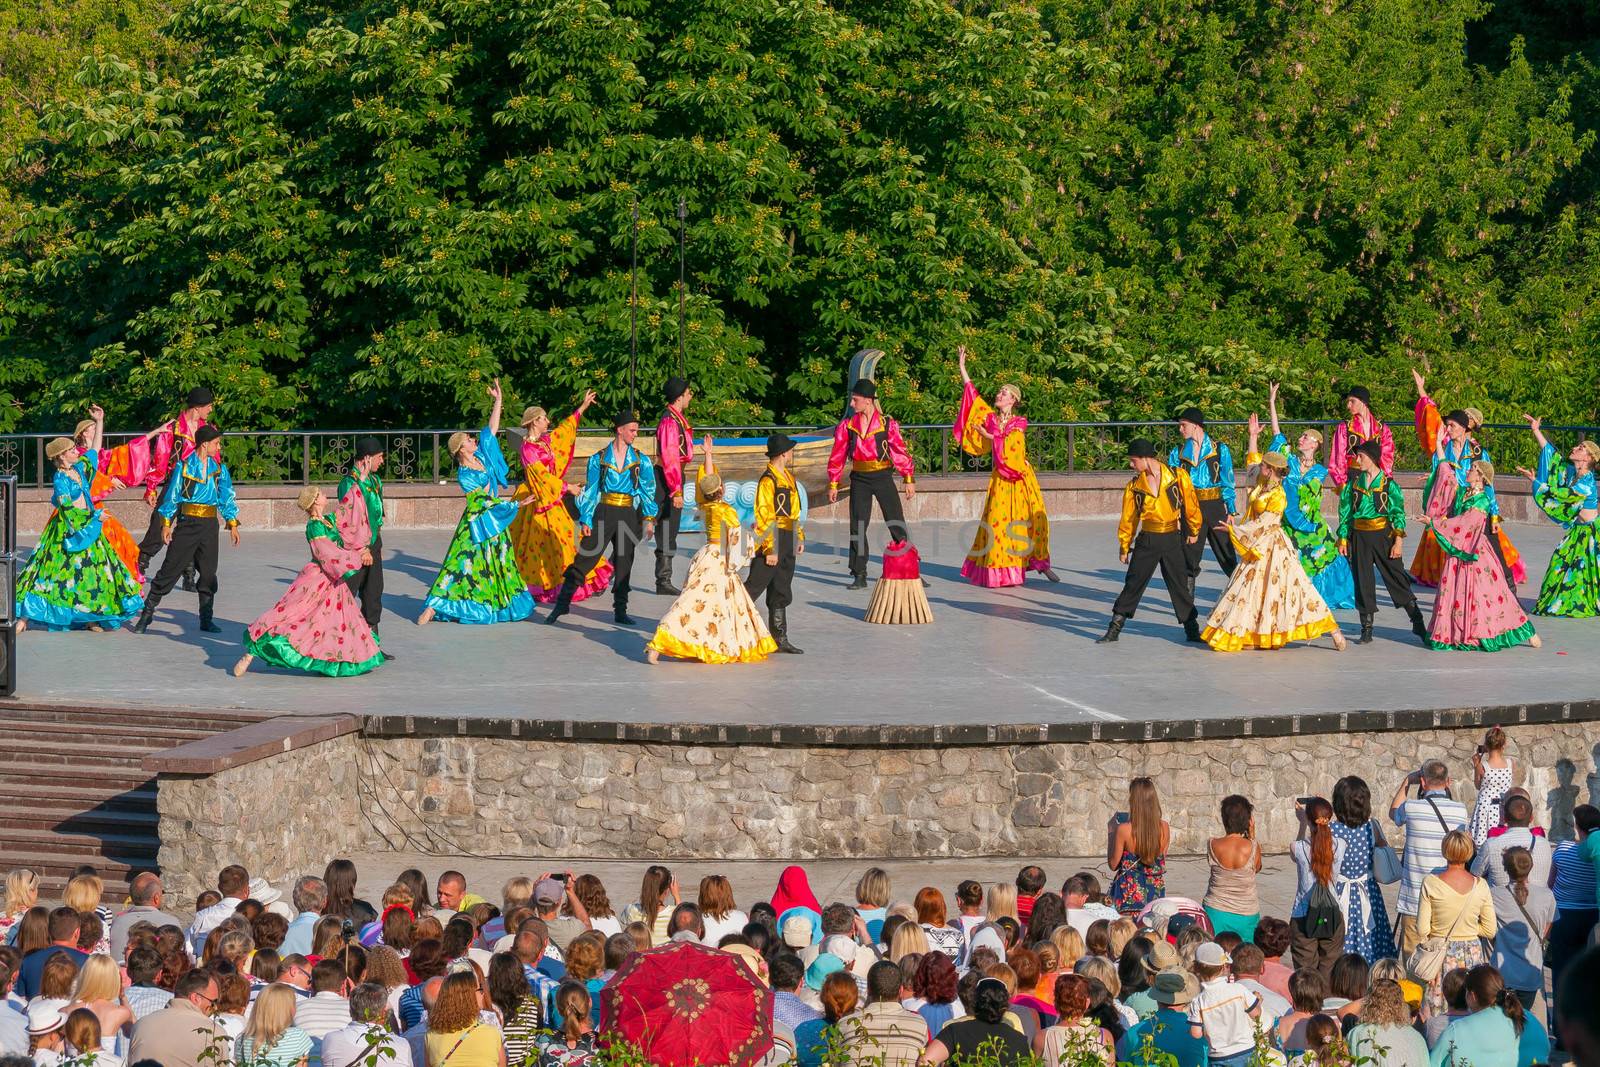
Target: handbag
1386 866
1427 959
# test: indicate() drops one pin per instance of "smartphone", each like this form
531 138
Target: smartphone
562 877
1304 801
1123 817
347 930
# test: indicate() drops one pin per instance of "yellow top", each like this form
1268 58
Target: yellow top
717 515
1141 507
1441 908
766 509
479 1045
1265 498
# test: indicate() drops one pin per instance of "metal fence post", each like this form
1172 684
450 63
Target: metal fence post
1072 442
944 453
305 458
436 457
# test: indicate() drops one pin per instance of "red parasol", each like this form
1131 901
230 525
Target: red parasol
686 1005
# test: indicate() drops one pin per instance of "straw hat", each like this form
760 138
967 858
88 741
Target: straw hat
708 485
457 439
1277 461
83 427
531 413
307 497
58 446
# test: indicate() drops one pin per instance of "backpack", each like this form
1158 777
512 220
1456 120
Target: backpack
1323 914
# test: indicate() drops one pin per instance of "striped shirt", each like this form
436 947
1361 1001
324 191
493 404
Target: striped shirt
1424 854
1575 882
146 999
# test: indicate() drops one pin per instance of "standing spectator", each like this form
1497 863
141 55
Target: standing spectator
1235 860
1030 882
1573 880
931 916
1518 832
872 901
1085 905
592 894
22 893
365 1034
309 896
652 908
233 882
811 1038
1272 938
885 1034
1492 1031
1384 1032
1222 1013
1426 819
326 1009
986 1031
143 995
451 893
457 1034
270 1038
1578 1026
1493 775
1456 906
1366 916
177 1035
1168 1028
563 922
1138 854
145 896
1524 911
718 910
63 933
1316 923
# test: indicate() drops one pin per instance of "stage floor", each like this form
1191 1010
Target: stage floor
991 656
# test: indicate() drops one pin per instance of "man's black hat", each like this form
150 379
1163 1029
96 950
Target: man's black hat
1141 448
367 446
623 417
199 397
207 433
778 444
864 388
675 388
1193 415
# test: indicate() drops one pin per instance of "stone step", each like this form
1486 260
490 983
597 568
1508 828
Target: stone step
60 864
17 782
76 818
51 795
149 735
129 846
91 719
61 753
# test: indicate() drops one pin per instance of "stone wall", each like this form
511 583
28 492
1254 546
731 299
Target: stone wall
293 811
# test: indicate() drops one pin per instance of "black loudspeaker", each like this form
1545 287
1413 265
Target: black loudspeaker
8 659
8 586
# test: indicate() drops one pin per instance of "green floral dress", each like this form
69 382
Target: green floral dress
74 578
479 581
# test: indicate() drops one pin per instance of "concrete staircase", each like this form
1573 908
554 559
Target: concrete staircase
72 790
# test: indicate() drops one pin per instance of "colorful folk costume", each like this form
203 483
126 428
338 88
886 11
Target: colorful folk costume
674 455
1015 533
1446 484
1209 465
479 582
1159 514
1475 611
1356 431
317 626
1572 582
199 492
1302 521
74 579
172 446
542 536
1372 519
128 464
618 498
876 452
714 620
777 533
1270 600
899 598
366 581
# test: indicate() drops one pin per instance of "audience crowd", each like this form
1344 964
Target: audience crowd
1485 963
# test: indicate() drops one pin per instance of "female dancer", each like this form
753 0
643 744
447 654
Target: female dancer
1302 514
1454 449
1570 497
317 625
1270 600
1361 427
714 620
116 468
479 581
541 536
999 556
1475 609
74 580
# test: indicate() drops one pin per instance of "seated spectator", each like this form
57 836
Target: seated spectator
270 1038
1030 883
986 1031
934 991
1384 1031
814 1037
685 924
1104 972
969 905
1073 1034
452 896
1307 991
556 902
309 896
1025 963
1347 986
233 1002
1085 904
1024 1020
46 1042
872 901
98 989
13 1017
574 1043
1167 1031
942 937
1248 965
1323 1044
82 1041
416 1035
717 909
145 897
269 929
365 1035
1495 1030
1272 938
183 1033
788 976
885 1034
55 982
1048 914
63 933
457 1030
326 1009
1575 1019
591 893
233 885
658 895
521 1014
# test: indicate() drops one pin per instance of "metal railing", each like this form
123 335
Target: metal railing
294 457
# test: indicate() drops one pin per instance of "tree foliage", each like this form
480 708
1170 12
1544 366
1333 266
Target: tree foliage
348 213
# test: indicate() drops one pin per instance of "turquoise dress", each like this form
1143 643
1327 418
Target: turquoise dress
479 581
74 578
1328 570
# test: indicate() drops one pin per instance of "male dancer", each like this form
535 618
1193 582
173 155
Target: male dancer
618 499
1160 521
366 584
1360 427
200 490
174 444
876 452
674 453
778 539
1209 466
1372 533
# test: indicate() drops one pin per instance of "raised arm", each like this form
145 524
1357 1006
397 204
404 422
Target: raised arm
1272 407
961 362
494 412
1537 426
98 438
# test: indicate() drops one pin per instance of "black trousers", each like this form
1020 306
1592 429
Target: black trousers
1213 513
366 585
864 489
775 580
194 542
615 527
151 545
1152 550
1369 549
667 520
1569 935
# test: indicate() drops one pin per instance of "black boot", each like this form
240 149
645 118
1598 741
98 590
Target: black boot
619 606
207 624
666 588
1366 631
1113 631
778 623
1051 576
569 586
146 616
1191 632
189 583
858 581
1419 625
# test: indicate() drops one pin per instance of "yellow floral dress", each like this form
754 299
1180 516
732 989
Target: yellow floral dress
1269 601
541 535
714 620
1015 533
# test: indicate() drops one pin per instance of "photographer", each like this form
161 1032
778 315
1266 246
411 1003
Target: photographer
1426 818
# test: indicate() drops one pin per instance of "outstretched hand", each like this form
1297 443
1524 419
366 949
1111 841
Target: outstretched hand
961 361
97 413
494 390
588 399
1533 422
1422 389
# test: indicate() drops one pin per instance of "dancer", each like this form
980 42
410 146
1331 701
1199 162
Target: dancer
876 452
1270 601
1160 515
1570 498
542 535
1362 426
479 582
1302 517
1475 609
1015 534
1454 449
714 619
616 509
1372 533
778 538
200 490
117 468
674 455
1209 465
317 626
74 580
366 581
175 444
